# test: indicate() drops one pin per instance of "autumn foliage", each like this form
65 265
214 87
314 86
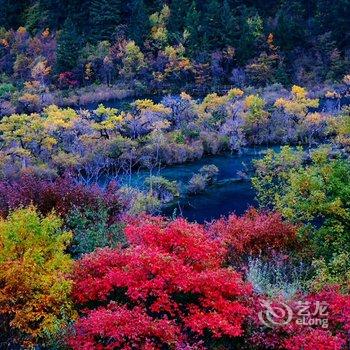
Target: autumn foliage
61 194
315 339
255 233
34 288
330 333
167 288
170 287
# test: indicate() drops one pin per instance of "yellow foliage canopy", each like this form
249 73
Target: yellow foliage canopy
34 289
299 104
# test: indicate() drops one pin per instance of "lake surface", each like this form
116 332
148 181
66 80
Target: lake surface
229 194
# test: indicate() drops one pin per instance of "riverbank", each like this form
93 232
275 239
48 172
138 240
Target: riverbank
35 98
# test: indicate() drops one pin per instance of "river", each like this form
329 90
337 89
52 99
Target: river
229 194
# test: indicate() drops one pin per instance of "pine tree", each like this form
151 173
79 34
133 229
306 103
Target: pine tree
251 35
68 47
12 13
105 16
33 17
139 24
178 11
192 27
227 24
53 13
334 16
213 32
79 12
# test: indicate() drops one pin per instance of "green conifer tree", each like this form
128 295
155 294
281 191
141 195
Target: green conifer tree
213 32
193 28
178 11
227 24
138 27
68 47
105 16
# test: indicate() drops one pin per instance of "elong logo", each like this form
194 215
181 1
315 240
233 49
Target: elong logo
305 314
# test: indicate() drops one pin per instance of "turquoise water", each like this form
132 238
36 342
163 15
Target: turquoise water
216 201
230 194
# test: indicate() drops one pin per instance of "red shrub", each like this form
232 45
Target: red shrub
254 232
338 308
309 335
67 80
167 288
315 339
61 194
117 323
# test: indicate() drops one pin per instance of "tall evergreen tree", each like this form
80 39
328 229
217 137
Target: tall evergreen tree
290 29
79 12
105 16
138 24
193 28
213 33
53 12
178 11
12 13
228 24
68 47
33 18
251 35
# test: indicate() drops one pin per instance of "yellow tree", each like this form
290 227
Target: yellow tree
34 288
145 114
107 120
133 60
254 112
341 127
211 102
177 63
159 32
58 119
214 108
234 93
26 132
254 116
298 105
